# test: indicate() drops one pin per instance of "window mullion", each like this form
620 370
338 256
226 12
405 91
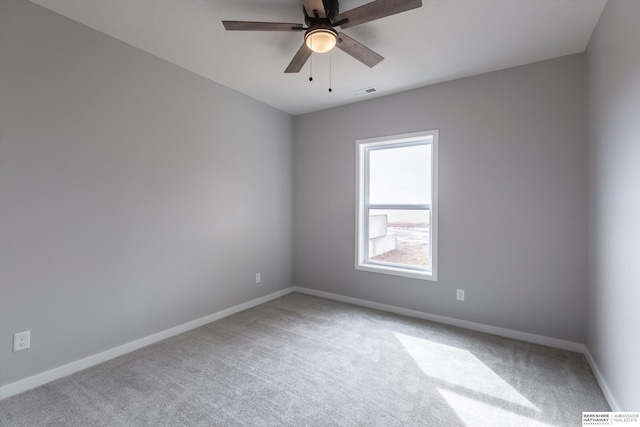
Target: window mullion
422 207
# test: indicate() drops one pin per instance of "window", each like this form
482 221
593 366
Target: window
396 213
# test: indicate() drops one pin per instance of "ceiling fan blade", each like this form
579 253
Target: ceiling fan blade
311 5
299 59
358 50
260 26
375 10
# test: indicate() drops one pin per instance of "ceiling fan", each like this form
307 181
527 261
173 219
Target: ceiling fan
321 16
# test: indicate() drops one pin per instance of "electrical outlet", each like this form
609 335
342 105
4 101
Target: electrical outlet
460 294
258 278
21 341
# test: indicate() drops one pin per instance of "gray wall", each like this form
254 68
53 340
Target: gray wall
512 195
613 308
134 195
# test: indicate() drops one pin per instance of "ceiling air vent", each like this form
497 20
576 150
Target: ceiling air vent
367 91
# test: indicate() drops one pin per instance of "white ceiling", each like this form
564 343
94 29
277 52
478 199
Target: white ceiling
443 40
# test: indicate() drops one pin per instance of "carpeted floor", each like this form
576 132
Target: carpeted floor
306 361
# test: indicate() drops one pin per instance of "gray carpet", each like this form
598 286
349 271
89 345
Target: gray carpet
301 360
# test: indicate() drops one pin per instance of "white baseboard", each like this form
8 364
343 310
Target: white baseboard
601 382
508 333
70 368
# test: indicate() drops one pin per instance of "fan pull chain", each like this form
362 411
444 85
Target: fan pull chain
330 90
311 64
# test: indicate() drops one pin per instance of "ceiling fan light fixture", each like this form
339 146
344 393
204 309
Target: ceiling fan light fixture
321 40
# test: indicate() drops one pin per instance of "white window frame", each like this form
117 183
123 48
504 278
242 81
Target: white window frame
362 207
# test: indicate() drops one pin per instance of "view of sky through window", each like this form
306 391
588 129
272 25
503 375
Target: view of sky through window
400 175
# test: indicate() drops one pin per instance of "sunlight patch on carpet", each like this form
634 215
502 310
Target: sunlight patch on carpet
463 372
475 413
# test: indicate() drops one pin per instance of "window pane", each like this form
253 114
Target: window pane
400 236
400 175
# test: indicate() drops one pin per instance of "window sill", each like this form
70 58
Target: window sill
398 271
